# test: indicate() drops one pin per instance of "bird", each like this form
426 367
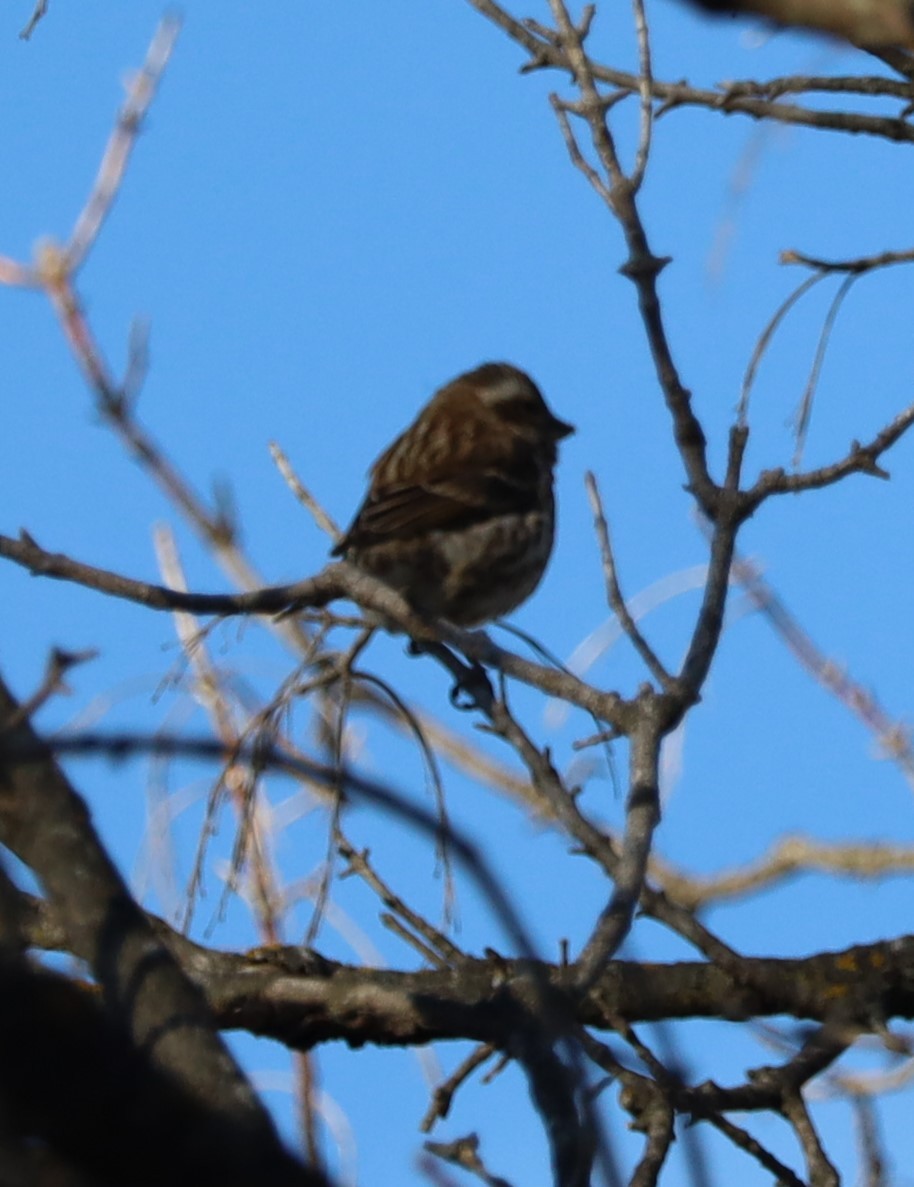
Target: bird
459 516
870 24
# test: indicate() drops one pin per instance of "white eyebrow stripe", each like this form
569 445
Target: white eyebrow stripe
508 387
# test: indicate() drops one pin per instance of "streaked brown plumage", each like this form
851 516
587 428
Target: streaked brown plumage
459 516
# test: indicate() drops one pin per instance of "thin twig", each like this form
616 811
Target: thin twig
443 1095
646 99
745 98
859 265
435 781
58 663
301 492
743 1140
464 1152
39 11
784 859
359 864
893 736
560 107
820 1169
399 929
804 411
860 459
238 778
614 593
872 1157
140 93
742 410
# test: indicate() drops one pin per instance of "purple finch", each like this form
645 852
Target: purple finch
459 517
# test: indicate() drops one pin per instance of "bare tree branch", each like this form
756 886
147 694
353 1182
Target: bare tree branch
144 992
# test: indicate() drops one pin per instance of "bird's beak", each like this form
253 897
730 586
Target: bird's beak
561 428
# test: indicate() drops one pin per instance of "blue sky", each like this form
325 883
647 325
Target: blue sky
331 211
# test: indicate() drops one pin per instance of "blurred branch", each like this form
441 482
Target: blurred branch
55 266
892 735
464 1152
23 749
143 990
301 492
869 1140
141 91
786 858
239 778
41 7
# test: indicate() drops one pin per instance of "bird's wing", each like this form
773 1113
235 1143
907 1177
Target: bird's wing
408 510
416 490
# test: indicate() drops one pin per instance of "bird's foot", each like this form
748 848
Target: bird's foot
472 688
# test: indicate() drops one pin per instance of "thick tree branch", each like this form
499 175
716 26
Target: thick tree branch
300 998
144 992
